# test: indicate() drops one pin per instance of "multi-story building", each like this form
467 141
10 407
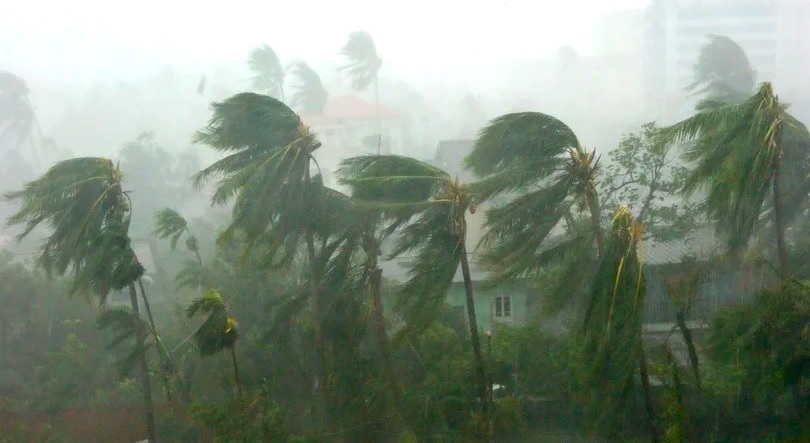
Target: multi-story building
772 33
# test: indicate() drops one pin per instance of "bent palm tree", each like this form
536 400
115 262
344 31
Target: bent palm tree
269 74
612 342
363 67
82 201
310 96
170 224
17 118
276 200
431 207
739 151
539 158
722 71
218 331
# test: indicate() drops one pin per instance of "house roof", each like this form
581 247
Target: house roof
395 270
702 244
342 108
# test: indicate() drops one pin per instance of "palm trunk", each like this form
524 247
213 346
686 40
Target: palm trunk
648 398
596 220
480 372
236 370
375 284
163 364
779 222
140 336
680 318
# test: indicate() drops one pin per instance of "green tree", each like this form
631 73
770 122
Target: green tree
87 211
740 151
432 208
363 67
277 202
612 329
268 73
218 330
539 179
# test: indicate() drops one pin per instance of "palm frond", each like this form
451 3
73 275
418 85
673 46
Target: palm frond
218 331
723 71
269 74
310 95
169 224
363 61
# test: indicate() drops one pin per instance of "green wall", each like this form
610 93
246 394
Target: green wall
522 299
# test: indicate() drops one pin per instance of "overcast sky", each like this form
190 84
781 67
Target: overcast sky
58 39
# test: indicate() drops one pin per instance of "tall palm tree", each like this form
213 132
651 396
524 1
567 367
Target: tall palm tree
431 207
310 95
722 71
363 68
218 330
269 74
612 342
739 152
82 202
17 117
277 202
170 224
537 164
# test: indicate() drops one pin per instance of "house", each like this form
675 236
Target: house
348 126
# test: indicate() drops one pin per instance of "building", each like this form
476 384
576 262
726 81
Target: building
348 126
772 33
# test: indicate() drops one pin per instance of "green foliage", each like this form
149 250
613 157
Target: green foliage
170 224
255 418
611 340
645 174
218 331
81 200
722 71
733 156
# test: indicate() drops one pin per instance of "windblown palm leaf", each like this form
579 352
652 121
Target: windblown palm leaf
170 224
269 74
310 95
539 157
82 203
736 150
121 321
612 326
722 71
218 331
266 172
364 63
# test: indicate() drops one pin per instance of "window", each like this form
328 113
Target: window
503 306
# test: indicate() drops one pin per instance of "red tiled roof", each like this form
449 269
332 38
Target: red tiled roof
349 107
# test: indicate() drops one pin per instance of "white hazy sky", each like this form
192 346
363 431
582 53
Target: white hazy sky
60 39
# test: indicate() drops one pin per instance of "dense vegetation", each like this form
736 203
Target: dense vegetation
270 317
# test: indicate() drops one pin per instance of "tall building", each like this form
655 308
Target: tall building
772 33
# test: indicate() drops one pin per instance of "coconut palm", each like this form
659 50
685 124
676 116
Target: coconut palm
363 67
218 330
431 206
740 152
170 224
17 117
310 95
536 164
722 71
269 74
82 202
277 202
612 341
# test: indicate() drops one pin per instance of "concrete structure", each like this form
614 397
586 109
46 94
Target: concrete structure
773 34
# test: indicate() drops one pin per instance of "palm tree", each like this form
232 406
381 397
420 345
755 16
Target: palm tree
612 342
363 68
276 200
82 202
722 71
17 117
218 330
739 151
170 224
431 207
310 96
539 158
269 74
